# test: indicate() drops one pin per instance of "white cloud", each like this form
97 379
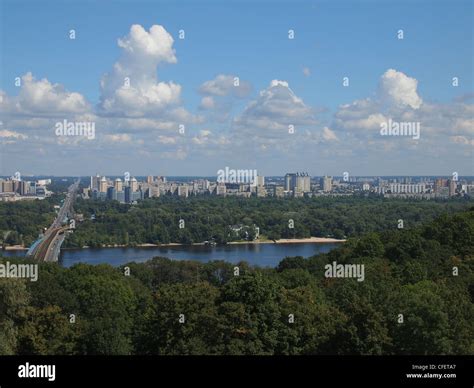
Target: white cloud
226 85
42 98
275 108
398 89
5 133
462 140
446 129
155 45
207 102
132 88
167 139
329 135
119 138
370 123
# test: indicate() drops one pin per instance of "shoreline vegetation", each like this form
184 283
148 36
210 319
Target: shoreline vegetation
219 220
415 298
312 240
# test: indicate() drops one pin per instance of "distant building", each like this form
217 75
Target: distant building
41 191
261 191
440 184
298 183
43 182
132 196
183 191
134 184
7 186
95 180
103 185
278 191
221 189
290 181
153 192
118 185
401 188
452 185
326 184
111 193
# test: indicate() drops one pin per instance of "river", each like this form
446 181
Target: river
263 255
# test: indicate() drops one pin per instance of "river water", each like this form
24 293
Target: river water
263 255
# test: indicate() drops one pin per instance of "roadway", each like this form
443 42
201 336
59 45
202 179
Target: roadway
50 245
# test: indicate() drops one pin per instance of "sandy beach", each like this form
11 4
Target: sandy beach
15 248
314 240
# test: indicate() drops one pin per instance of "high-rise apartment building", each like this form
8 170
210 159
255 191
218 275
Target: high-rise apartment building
118 185
103 185
326 184
95 181
298 182
134 184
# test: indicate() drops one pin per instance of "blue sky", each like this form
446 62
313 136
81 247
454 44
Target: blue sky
357 39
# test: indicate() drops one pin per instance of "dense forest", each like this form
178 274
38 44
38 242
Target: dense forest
21 222
157 221
187 307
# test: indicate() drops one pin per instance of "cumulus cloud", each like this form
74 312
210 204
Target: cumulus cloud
119 138
226 85
397 99
9 137
398 89
275 108
329 135
207 102
41 97
132 88
156 45
167 139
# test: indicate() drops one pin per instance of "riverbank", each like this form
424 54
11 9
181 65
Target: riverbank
15 248
315 240
312 240
259 253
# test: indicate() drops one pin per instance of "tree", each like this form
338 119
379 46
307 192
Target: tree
183 320
425 327
46 331
106 307
14 299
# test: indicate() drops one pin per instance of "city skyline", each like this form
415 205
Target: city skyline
157 90
129 189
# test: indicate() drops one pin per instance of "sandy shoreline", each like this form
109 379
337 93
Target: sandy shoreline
313 240
15 248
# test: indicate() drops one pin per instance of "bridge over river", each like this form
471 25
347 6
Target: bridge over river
48 246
